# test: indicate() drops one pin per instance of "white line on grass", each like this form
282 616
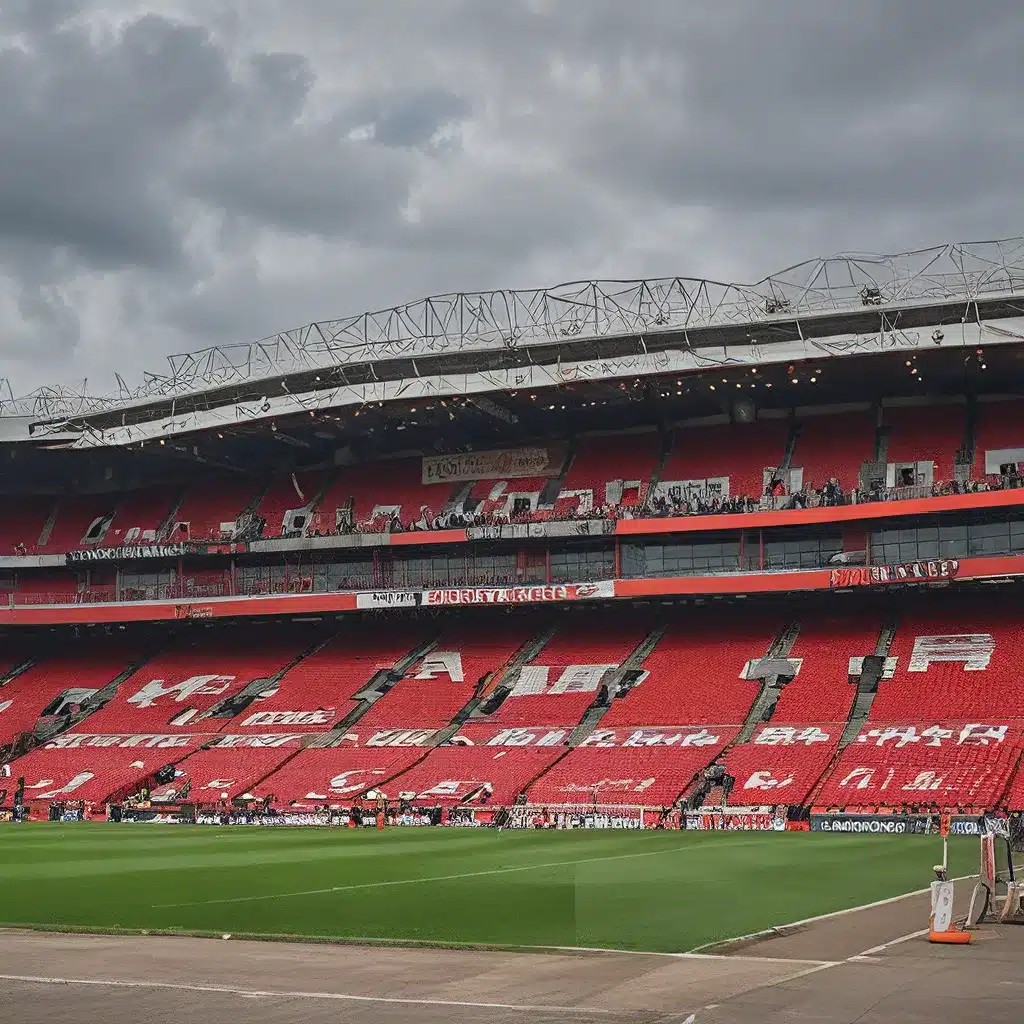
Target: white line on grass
433 878
765 932
268 993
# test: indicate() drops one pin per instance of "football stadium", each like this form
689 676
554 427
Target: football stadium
623 650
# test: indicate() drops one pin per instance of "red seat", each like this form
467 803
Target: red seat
334 776
472 775
956 766
694 673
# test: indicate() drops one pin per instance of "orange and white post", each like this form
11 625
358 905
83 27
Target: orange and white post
941 926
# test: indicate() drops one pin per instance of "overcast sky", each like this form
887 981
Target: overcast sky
179 173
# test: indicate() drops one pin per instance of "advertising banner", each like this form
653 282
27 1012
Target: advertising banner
520 595
127 553
503 464
906 572
738 821
877 824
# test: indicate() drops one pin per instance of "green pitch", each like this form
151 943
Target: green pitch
667 891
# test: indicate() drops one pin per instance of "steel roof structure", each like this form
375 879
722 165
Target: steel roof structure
847 301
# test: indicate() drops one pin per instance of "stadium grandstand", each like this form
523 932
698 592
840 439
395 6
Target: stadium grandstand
664 549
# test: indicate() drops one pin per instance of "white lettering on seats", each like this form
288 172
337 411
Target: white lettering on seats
981 734
400 737
765 780
974 734
220 784
527 738
436 663
612 785
343 783
533 680
152 691
320 717
975 650
652 737
925 782
787 736
79 780
74 741
861 778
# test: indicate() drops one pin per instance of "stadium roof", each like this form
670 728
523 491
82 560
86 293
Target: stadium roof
839 298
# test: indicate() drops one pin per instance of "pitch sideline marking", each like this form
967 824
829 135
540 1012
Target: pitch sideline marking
765 932
433 878
259 994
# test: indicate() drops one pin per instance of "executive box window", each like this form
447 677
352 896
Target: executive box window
582 562
681 559
800 551
918 544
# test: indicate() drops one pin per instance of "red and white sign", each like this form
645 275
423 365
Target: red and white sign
520 595
742 821
907 572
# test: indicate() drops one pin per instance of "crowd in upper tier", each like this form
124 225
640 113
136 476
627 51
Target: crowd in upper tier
848 457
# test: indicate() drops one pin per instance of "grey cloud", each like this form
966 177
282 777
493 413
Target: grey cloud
178 173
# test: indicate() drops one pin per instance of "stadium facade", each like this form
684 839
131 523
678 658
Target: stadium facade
662 546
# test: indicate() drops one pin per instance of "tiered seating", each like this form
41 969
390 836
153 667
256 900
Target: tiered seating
73 519
92 773
990 640
575 660
740 452
945 764
930 433
79 666
781 764
473 775
334 776
221 773
498 497
143 511
695 673
315 694
630 776
835 446
383 485
48 588
22 521
281 497
1015 794
440 684
209 505
599 460
173 690
998 426
822 691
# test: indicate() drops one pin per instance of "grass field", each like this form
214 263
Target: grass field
664 891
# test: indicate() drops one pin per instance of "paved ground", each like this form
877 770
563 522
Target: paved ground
867 967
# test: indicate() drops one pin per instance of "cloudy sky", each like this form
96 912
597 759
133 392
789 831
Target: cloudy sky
179 173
